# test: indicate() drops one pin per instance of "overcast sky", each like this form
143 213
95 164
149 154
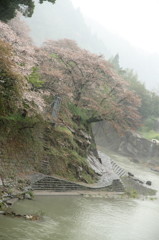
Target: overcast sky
135 20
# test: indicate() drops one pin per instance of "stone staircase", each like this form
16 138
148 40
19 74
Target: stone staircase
45 166
118 170
55 184
50 183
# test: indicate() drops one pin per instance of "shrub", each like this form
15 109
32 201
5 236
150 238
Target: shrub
34 78
10 82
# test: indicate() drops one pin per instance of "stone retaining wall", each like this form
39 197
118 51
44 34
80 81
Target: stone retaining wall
132 186
60 185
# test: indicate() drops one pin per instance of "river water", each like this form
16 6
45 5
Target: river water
87 218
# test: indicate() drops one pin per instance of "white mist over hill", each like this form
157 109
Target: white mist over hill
64 20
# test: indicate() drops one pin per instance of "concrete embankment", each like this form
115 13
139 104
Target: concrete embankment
132 185
49 183
112 178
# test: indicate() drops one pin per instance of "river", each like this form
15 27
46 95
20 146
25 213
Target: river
87 218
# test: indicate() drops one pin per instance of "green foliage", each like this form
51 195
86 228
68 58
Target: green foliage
16 117
8 8
65 138
17 126
65 130
140 90
65 161
10 82
115 62
3 206
132 194
147 130
149 100
54 55
75 157
12 117
31 194
153 198
149 123
79 112
52 1
34 78
149 134
66 157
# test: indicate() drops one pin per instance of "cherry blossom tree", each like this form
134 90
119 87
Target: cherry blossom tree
24 51
89 81
23 55
84 79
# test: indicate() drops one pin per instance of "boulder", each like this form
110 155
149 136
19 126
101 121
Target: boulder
130 174
149 183
28 196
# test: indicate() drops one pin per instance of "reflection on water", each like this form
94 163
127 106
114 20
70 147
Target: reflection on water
76 218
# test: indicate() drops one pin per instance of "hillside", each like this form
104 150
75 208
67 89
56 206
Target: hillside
49 97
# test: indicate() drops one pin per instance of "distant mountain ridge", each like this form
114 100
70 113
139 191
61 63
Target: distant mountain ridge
144 64
62 20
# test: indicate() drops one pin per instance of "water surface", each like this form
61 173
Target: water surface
87 218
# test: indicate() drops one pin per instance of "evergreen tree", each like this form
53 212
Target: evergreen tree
149 100
8 8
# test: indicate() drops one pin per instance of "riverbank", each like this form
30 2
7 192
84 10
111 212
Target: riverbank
99 194
78 193
8 197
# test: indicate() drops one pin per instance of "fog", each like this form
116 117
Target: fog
65 20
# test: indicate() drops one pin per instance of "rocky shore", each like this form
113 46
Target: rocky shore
12 190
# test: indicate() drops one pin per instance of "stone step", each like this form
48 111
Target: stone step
43 186
120 171
46 182
62 186
56 186
59 189
59 186
56 183
117 169
65 190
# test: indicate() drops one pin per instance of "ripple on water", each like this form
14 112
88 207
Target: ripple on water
30 230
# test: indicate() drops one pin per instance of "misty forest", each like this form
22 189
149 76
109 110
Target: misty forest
79 128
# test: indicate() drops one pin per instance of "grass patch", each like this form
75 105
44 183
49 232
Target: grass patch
34 78
132 194
65 130
79 112
66 162
150 134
